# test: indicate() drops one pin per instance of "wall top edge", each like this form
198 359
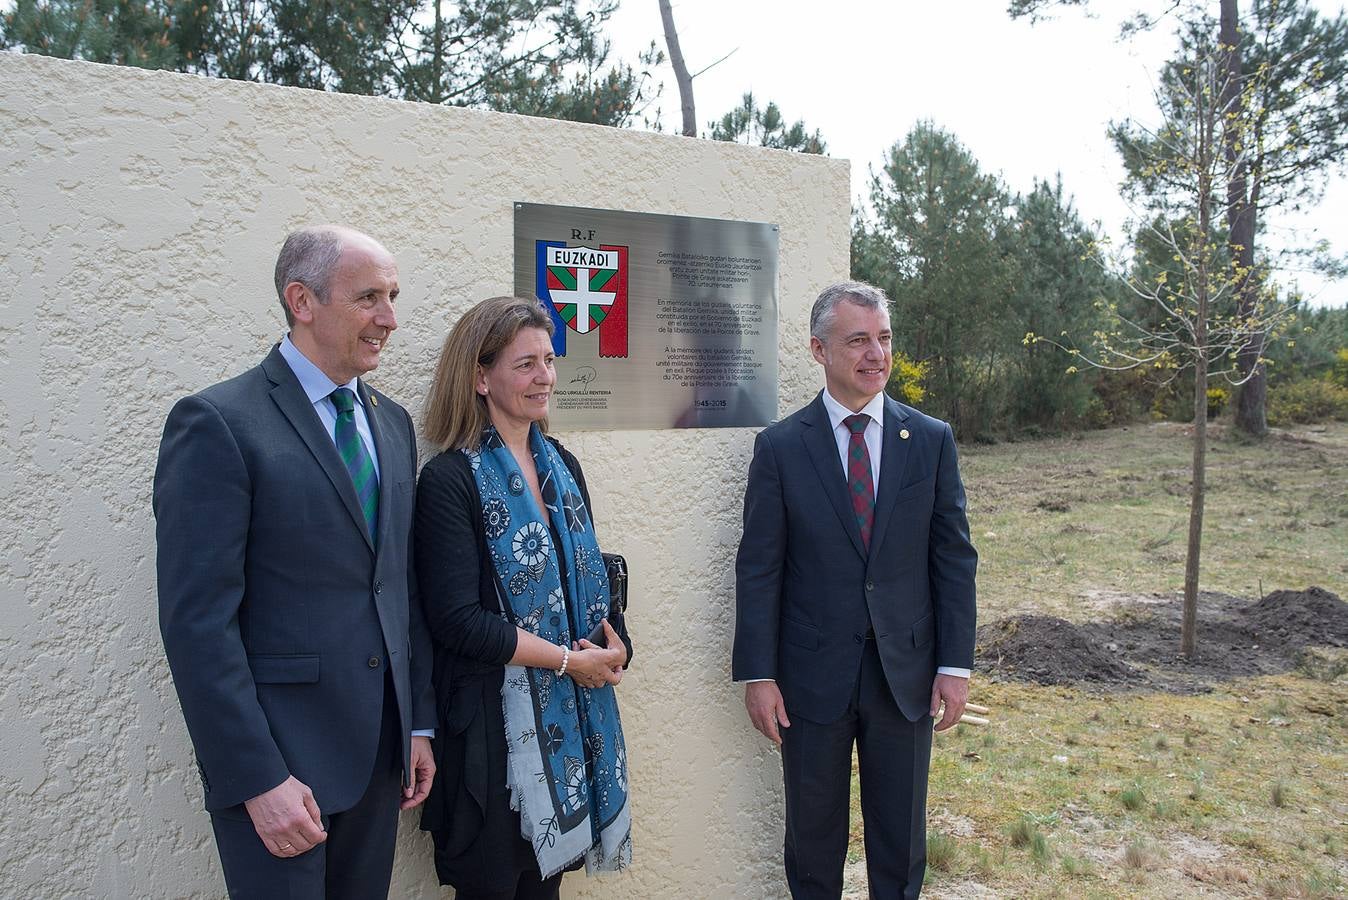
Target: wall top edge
14 60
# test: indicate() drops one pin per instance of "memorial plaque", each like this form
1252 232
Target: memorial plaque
661 321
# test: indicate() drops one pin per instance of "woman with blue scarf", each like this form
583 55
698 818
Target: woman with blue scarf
531 767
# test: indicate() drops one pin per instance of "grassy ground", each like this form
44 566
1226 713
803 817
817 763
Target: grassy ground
1242 792
1058 521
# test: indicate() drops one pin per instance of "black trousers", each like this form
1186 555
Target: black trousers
894 755
354 863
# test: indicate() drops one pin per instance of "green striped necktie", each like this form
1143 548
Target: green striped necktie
356 457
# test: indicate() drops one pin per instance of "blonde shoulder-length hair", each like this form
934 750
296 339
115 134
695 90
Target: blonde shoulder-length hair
455 412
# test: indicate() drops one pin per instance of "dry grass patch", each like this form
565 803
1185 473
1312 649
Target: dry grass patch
1277 516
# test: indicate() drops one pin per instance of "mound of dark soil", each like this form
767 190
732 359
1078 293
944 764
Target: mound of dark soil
1312 616
1140 646
1047 650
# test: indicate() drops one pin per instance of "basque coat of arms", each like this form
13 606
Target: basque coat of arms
584 289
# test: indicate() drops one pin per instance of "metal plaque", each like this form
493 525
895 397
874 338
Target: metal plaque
661 321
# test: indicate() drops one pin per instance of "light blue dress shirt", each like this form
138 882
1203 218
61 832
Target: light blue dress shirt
318 388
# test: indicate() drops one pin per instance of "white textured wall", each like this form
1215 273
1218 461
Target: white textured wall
140 215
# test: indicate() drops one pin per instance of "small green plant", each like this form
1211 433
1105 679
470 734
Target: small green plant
1278 793
1077 866
1022 832
942 851
1321 665
1164 810
1137 857
1320 886
1161 743
1196 788
1132 798
1039 850
984 863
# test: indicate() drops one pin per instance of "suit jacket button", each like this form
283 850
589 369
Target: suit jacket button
858 638
374 662
378 586
870 585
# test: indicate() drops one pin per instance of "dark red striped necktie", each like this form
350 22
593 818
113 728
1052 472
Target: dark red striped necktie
859 484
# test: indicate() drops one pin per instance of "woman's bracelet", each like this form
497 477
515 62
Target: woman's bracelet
566 658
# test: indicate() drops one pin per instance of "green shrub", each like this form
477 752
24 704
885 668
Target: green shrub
1120 397
906 379
1306 401
1338 373
1217 400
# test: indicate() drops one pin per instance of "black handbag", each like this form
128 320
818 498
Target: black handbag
616 567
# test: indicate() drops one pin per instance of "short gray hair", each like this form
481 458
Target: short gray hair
858 292
308 256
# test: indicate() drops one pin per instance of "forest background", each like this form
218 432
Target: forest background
1001 297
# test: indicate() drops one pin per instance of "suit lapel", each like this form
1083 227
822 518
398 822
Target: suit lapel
294 404
383 447
893 462
823 451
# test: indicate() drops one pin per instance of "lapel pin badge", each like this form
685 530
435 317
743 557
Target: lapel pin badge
374 401
903 433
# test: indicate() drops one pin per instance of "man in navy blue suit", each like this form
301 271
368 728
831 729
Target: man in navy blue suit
854 603
283 500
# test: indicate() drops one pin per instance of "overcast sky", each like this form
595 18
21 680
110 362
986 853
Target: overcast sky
1027 100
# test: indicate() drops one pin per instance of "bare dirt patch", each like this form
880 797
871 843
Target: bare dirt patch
943 820
1138 647
960 890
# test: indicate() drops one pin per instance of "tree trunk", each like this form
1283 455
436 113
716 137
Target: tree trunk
1206 152
1189 622
1240 219
437 79
1252 396
685 81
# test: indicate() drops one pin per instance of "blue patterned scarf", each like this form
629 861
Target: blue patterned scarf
567 768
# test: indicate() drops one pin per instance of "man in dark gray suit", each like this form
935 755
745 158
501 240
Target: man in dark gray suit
854 603
283 500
